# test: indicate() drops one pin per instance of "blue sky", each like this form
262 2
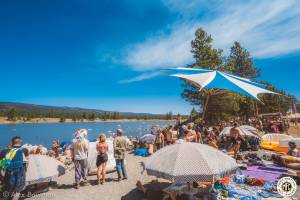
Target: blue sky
107 54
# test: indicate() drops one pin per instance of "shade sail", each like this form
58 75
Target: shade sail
188 162
220 80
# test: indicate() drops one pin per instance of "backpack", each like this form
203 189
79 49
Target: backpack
12 160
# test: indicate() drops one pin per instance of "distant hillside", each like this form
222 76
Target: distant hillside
33 110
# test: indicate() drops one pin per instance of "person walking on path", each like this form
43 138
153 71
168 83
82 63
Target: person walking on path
102 149
120 145
80 149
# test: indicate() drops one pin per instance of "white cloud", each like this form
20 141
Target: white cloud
141 77
266 28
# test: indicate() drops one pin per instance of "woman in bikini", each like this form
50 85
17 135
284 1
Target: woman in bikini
102 149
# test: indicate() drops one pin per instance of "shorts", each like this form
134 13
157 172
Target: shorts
101 158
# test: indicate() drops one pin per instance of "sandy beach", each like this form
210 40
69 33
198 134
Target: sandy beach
111 190
3 120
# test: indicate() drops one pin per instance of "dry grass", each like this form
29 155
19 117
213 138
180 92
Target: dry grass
295 130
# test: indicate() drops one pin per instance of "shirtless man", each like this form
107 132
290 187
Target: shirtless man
236 139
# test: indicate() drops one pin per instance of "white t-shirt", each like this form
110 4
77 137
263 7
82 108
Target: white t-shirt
80 147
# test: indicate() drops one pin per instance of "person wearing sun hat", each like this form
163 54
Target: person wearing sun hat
79 151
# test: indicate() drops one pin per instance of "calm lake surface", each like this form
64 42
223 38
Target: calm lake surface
45 133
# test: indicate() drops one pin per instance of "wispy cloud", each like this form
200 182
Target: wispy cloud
141 77
266 28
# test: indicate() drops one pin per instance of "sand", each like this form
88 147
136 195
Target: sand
111 190
3 120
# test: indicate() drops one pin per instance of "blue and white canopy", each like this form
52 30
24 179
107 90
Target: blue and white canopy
215 79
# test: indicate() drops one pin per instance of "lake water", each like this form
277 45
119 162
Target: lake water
45 133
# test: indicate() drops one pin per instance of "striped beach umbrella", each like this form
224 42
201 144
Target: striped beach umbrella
189 162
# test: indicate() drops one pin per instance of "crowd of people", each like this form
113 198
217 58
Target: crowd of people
205 135
14 160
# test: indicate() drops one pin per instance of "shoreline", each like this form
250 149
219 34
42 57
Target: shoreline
4 121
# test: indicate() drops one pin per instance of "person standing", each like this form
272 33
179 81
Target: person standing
102 149
236 139
13 163
169 135
159 140
120 145
79 151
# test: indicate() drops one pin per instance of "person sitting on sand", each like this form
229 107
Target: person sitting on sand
79 153
293 151
102 149
120 145
192 134
57 150
289 160
212 143
187 136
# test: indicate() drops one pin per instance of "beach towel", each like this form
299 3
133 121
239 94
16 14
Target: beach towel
240 179
141 152
267 174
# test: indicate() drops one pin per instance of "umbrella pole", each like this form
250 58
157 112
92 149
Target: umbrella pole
205 106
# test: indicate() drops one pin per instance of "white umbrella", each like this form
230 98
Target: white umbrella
147 138
275 137
243 132
43 168
250 128
188 162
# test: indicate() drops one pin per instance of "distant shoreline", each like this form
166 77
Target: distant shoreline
3 121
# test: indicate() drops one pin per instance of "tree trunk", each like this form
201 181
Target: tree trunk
205 106
256 109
